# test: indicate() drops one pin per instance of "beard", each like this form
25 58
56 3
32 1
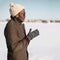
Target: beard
19 20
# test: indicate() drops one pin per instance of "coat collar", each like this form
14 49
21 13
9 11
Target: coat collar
17 21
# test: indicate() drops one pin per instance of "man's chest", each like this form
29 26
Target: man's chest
20 31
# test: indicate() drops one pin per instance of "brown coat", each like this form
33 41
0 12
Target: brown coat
16 42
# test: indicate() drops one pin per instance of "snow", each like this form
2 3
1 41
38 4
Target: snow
44 47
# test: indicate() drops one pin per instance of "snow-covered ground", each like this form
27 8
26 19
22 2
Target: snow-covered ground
44 47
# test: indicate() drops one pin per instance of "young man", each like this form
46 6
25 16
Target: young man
16 38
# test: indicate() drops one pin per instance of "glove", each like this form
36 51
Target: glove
32 34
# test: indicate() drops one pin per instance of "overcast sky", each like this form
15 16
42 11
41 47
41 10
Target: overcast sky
35 9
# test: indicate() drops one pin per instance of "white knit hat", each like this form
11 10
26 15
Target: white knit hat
15 9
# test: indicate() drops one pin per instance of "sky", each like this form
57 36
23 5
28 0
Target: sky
35 9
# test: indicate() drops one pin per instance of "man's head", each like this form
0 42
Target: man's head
17 11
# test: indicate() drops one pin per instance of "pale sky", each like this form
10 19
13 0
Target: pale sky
35 9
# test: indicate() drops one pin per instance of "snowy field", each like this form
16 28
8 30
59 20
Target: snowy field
44 47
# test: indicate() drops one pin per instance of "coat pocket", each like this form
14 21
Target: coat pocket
19 46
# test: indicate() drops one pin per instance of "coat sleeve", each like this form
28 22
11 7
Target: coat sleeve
12 36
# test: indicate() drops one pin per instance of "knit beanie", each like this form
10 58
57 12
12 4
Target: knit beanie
15 9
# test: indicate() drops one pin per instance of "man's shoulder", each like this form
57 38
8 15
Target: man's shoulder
10 23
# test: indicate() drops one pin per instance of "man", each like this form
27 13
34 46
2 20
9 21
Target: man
16 38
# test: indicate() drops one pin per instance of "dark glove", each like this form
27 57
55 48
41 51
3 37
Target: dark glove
32 34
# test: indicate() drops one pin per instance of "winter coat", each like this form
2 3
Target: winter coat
16 41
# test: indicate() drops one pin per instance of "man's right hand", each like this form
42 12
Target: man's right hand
32 34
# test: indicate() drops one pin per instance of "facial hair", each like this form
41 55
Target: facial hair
19 20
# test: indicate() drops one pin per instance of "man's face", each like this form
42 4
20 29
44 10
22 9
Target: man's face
21 15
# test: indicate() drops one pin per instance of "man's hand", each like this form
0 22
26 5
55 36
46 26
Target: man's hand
32 34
